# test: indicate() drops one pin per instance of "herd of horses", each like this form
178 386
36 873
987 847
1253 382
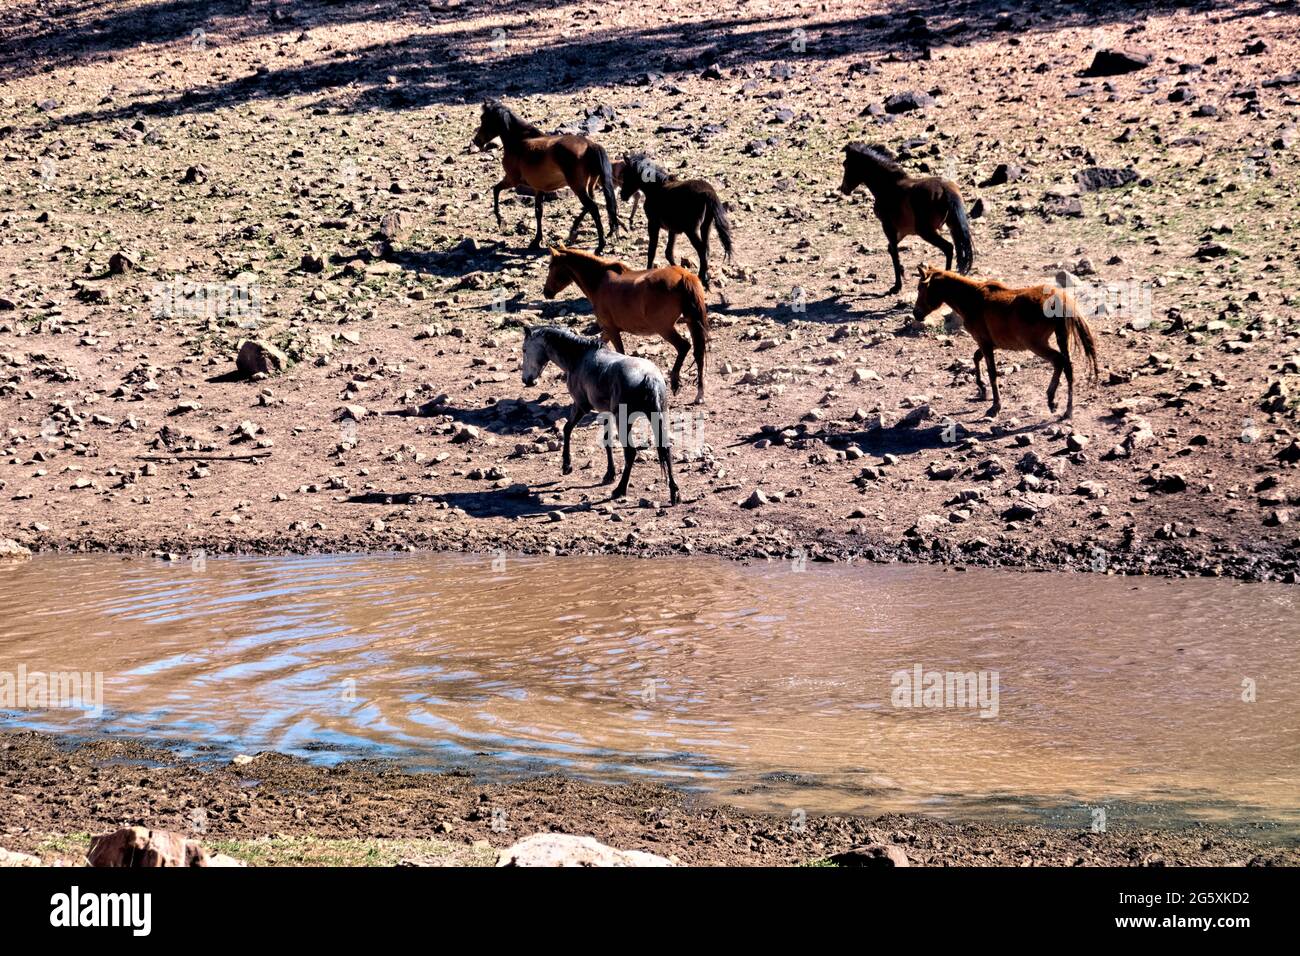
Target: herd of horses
652 301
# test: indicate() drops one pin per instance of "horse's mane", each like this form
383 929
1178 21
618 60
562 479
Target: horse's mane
568 335
613 265
641 161
877 156
510 120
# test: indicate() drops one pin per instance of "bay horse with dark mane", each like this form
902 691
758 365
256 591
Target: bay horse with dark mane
547 163
647 302
679 205
909 205
1001 317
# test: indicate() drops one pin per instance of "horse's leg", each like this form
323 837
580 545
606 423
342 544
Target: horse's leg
699 339
654 241
939 242
609 457
1045 351
591 207
701 250
1063 342
616 339
537 206
629 456
573 233
891 236
581 187
575 415
666 460
668 249
496 201
979 377
993 382
677 341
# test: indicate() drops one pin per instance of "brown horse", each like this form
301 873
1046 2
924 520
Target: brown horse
909 206
646 302
679 205
546 164
1000 317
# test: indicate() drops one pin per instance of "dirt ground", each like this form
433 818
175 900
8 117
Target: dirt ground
177 178
276 810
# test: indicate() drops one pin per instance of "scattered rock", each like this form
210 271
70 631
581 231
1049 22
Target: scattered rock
563 849
257 357
1116 62
878 855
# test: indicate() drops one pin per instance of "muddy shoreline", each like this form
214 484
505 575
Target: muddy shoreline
55 789
1265 564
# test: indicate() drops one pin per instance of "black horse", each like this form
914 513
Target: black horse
682 205
909 205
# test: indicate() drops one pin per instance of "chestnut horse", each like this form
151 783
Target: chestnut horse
546 164
909 206
646 302
679 205
1000 317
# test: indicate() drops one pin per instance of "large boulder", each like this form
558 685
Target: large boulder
260 358
880 855
14 858
563 849
1116 62
141 847
12 550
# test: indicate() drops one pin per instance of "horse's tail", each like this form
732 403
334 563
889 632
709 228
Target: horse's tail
960 227
718 211
661 431
1080 334
607 185
694 309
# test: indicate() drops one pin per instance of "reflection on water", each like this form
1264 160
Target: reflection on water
773 688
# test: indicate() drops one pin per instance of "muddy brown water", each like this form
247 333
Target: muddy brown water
770 687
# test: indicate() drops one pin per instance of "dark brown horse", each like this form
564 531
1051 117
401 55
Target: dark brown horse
643 303
680 205
909 205
545 164
1000 317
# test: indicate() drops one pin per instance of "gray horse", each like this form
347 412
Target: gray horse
602 380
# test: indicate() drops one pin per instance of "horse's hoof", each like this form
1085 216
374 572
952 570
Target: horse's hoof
618 493
608 479
993 412
566 470
894 290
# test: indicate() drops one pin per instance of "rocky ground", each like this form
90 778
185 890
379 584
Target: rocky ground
178 179
273 809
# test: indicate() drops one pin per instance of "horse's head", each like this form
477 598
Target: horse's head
638 170
491 124
559 276
535 357
863 164
926 300
853 177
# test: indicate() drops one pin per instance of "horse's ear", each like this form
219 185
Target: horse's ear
554 252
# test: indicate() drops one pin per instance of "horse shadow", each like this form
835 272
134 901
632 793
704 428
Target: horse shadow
509 416
492 503
832 310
